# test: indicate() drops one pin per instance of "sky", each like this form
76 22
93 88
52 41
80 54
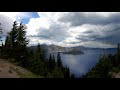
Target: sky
67 29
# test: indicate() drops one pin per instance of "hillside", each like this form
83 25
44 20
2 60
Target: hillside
10 70
115 75
53 48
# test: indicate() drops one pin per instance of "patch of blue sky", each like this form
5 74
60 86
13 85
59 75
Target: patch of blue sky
32 15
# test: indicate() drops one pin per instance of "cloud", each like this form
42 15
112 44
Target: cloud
6 24
7 19
46 27
76 28
67 28
101 36
80 18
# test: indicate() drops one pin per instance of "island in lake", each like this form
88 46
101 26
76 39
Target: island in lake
74 52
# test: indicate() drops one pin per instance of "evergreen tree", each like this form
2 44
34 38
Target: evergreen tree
13 35
7 53
11 40
16 48
57 73
59 62
66 72
16 43
72 76
21 42
38 65
7 41
21 36
118 54
50 63
53 62
117 59
118 48
40 53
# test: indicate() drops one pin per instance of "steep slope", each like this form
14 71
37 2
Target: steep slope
116 75
9 70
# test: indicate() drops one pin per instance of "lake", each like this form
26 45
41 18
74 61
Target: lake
80 64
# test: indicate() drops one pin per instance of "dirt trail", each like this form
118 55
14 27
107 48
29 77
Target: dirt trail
6 70
116 75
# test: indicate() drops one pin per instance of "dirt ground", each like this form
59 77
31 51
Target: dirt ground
116 75
6 71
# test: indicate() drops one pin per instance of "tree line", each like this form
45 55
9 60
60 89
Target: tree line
15 50
106 66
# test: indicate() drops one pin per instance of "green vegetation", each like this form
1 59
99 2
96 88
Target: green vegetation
107 63
16 51
24 73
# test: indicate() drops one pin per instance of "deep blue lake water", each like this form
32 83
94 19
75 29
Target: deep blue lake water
80 64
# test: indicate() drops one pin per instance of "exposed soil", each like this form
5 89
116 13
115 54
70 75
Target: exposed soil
116 75
6 71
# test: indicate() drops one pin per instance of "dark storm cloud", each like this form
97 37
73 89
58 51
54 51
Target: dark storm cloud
110 34
113 37
74 28
77 18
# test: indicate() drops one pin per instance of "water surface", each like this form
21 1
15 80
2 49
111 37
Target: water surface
80 64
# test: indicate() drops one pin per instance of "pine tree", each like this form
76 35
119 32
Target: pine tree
118 48
118 55
16 41
72 76
59 62
66 72
40 53
53 62
13 34
21 42
38 66
7 48
12 38
31 54
7 41
57 73
21 38
50 63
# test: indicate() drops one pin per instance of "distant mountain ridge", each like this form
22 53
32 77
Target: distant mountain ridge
54 48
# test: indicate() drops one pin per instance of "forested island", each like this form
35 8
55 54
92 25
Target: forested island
74 52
